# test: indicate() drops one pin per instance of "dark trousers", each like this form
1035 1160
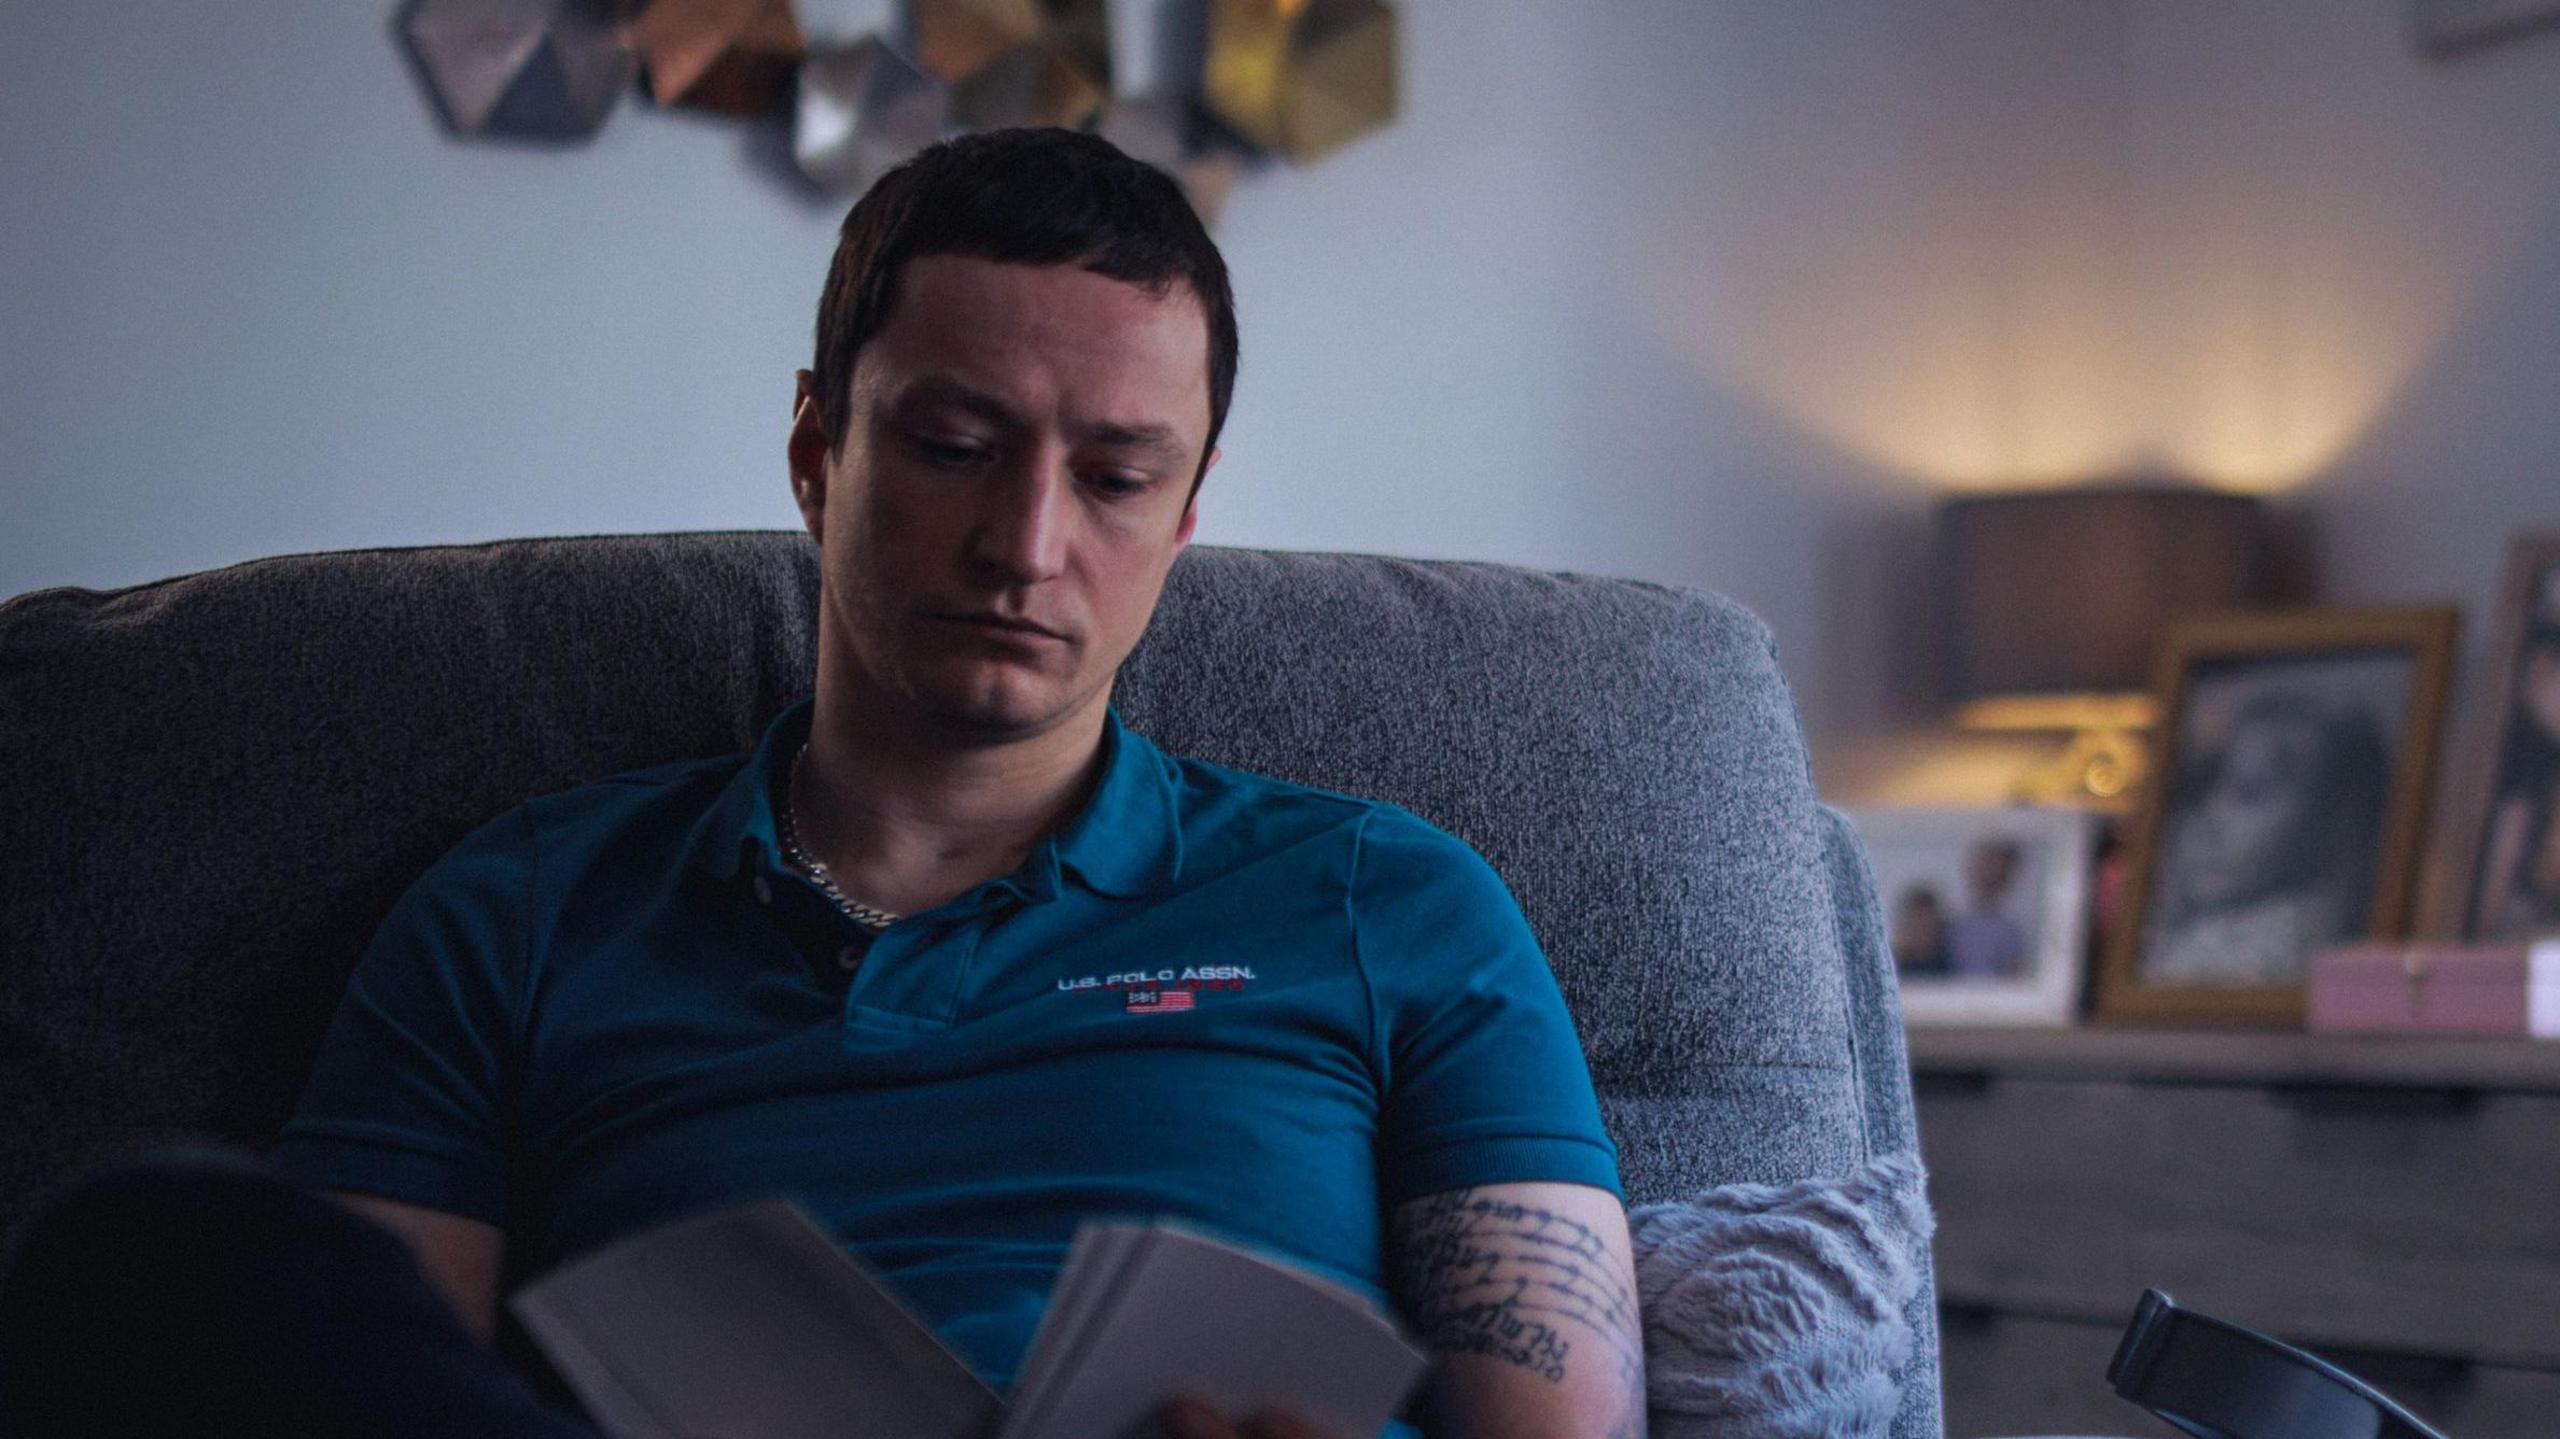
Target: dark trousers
192 1292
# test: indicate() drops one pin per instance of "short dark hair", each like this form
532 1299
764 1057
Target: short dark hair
1022 197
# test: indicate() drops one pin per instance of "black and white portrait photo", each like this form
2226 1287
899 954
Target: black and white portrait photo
2275 815
2519 894
2506 883
2289 796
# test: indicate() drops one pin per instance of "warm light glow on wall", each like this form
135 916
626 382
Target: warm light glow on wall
2276 335
2241 379
1963 386
2230 322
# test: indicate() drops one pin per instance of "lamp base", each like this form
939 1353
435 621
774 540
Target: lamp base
2100 769
2104 765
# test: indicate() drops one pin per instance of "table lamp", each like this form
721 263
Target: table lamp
2052 604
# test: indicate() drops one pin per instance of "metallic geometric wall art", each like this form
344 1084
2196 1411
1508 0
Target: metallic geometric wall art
1168 132
525 69
733 56
957 38
1034 84
864 108
1017 62
1301 77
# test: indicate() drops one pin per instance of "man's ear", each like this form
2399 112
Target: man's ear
1191 506
809 449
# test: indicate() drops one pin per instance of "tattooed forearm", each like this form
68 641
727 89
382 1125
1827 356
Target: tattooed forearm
1482 1274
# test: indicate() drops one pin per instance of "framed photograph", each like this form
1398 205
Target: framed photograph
2290 793
2497 876
1987 910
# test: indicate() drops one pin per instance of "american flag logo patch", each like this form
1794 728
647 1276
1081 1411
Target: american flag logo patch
1159 1001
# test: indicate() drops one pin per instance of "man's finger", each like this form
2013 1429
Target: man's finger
1278 1424
1190 1418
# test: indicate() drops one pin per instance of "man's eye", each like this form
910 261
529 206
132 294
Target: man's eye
1116 486
953 453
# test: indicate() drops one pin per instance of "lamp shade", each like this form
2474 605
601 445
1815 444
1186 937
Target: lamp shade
2066 592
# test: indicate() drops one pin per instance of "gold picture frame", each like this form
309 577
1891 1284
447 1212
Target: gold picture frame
2456 906
2296 755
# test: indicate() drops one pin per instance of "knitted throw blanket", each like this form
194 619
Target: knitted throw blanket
1776 1311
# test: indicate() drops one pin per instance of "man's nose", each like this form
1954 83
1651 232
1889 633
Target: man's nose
1023 531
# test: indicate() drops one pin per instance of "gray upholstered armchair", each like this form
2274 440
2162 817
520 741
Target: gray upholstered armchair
215 785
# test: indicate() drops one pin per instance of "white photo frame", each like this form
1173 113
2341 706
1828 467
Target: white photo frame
2010 891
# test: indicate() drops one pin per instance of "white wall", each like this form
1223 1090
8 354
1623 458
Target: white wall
1582 308
259 305
256 303
2337 282
2353 271
1715 293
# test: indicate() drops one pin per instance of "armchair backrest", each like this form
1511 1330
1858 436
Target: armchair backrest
211 788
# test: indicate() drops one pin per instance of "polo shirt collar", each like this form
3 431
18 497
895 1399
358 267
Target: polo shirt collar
1125 841
739 822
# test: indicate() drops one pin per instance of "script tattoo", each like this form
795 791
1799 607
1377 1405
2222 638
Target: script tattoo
1480 1274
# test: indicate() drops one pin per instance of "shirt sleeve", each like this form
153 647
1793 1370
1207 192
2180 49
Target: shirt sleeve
410 1097
1485 1078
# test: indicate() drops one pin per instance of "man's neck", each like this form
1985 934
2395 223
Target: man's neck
905 818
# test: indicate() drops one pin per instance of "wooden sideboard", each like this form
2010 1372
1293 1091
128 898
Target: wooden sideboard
2391 1204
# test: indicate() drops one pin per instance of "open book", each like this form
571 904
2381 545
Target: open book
750 1323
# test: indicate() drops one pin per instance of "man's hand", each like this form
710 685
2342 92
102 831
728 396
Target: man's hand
460 1256
1189 1418
1526 1296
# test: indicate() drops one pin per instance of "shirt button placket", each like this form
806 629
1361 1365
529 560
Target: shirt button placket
860 962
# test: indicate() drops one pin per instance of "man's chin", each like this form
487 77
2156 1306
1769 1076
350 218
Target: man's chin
1000 711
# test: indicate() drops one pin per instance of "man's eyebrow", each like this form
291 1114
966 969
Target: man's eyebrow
936 390
941 390
1136 437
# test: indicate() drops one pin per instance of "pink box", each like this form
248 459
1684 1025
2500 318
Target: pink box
2435 988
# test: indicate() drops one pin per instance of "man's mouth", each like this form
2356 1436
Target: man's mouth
1006 625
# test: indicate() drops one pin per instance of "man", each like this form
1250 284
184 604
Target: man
1984 942
953 957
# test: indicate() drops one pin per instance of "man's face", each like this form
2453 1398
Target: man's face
1991 869
1019 451
2253 829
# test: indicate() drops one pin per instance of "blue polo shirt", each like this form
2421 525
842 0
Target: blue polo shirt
1265 1009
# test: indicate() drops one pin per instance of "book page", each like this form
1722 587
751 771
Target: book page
747 1324
1192 1315
1089 1280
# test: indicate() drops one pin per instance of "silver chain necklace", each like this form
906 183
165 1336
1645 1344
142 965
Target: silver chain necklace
869 916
